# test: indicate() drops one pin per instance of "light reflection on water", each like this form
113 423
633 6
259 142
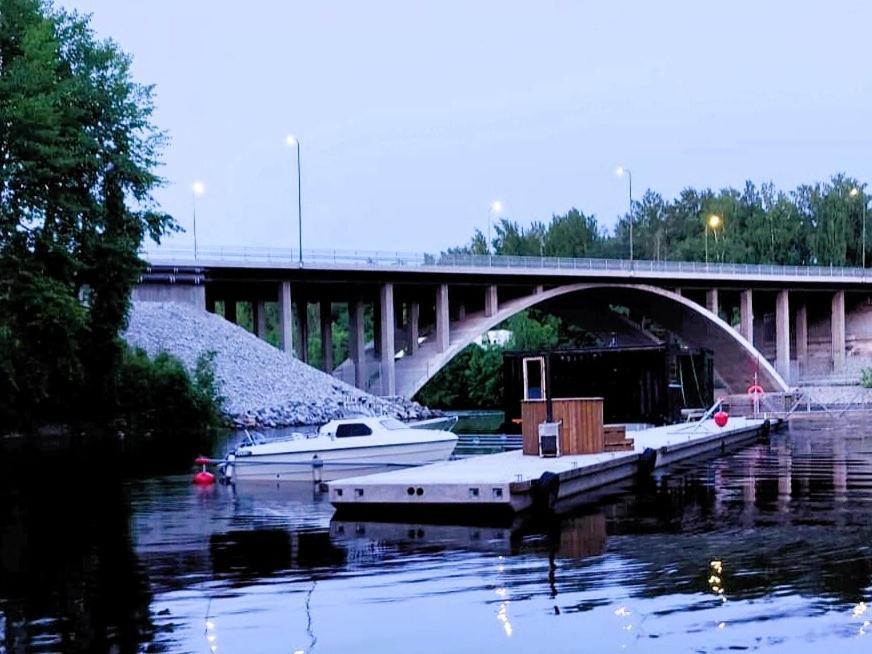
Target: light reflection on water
765 549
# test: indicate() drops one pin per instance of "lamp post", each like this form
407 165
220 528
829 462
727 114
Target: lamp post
621 172
854 193
714 221
294 142
197 189
495 208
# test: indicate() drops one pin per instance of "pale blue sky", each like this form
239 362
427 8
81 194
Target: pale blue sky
414 116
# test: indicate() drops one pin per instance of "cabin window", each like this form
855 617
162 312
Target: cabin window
392 423
352 429
534 378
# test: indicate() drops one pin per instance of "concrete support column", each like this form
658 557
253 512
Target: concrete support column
678 291
711 300
388 374
259 307
837 324
376 330
491 302
443 335
230 310
802 336
539 289
286 319
357 345
782 335
325 315
746 315
414 326
303 322
461 312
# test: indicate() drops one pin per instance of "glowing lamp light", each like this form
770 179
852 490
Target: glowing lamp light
291 140
199 188
854 192
714 221
496 206
620 171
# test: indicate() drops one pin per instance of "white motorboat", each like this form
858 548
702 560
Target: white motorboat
341 448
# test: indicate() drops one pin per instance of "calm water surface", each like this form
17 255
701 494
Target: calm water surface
767 549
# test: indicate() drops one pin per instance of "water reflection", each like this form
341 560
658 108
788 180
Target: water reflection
767 548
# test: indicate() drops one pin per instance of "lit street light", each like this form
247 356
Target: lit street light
855 192
494 209
713 222
621 171
294 142
197 189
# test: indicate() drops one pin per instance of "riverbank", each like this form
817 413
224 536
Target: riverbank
262 385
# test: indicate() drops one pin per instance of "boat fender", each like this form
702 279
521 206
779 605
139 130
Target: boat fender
647 461
545 492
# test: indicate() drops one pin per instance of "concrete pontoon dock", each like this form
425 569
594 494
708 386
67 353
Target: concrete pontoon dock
511 482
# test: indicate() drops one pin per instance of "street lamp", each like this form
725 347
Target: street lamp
197 189
494 209
621 171
713 222
294 142
855 192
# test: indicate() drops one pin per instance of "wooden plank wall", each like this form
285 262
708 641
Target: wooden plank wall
582 428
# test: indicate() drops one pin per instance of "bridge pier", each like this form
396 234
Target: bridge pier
746 315
414 326
491 302
303 322
286 320
782 335
387 325
325 315
443 317
230 310
357 344
802 337
711 301
259 308
837 326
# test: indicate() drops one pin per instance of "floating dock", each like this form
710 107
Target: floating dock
511 482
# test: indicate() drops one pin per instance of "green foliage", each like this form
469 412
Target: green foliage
167 410
533 330
473 379
866 377
78 151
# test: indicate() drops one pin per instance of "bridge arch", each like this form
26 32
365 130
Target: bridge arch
735 359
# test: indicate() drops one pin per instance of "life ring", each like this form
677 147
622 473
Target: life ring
755 390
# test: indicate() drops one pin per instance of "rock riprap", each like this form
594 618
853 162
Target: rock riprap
262 385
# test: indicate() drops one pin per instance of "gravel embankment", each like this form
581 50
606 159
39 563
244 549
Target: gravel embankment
262 385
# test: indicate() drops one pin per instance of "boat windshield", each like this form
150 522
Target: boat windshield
392 423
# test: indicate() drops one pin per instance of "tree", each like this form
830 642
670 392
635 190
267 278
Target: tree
78 151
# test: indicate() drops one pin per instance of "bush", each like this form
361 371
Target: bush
866 377
164 414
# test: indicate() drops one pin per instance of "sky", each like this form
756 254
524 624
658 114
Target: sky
413 117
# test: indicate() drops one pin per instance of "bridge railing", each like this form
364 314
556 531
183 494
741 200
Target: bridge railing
287 257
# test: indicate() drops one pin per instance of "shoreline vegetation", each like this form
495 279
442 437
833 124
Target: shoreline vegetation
78 155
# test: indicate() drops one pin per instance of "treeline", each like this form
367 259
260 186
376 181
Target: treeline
818 224
78 154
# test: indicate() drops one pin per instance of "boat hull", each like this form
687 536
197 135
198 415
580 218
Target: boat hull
339 463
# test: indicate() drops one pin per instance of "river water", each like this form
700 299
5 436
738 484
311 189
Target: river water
766 549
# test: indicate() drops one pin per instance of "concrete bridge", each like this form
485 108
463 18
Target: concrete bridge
785 323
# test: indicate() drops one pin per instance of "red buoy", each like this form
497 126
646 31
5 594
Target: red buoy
721 418
204 478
